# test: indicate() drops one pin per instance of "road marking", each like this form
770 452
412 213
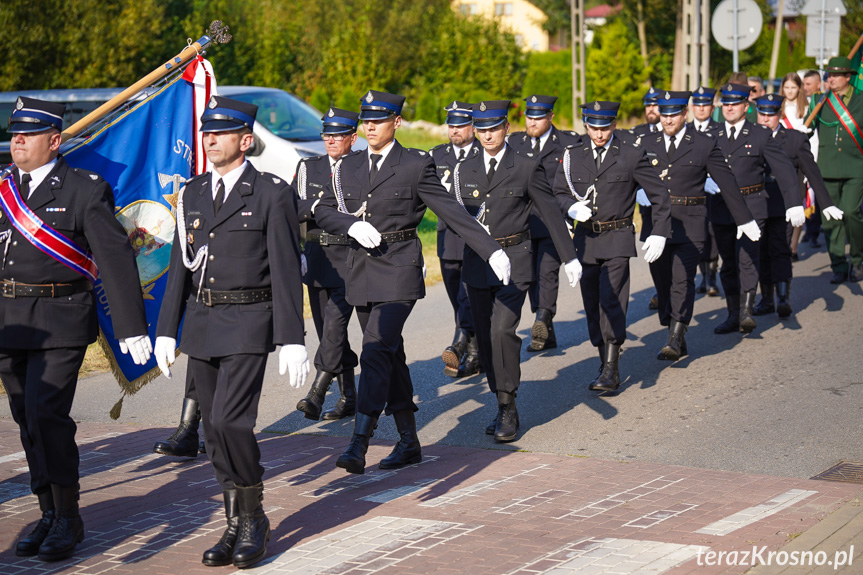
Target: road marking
529 503
392 494
460 495
611 556
352 481
657 517
752 514
20 455
618 499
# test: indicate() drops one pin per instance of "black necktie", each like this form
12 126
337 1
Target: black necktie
599 152
731 135
671 147
25 186
491 164
536 146
461 155
220 196
702 128
374 169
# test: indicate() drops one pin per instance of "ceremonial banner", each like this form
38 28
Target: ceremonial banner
857 66
146 154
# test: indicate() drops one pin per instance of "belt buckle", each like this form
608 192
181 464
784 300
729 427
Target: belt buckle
324 239
9 289
208 297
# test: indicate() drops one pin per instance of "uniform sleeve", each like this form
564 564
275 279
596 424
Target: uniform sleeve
177 289
721 172
328 216
541 194
783 170
283 248
812 172
660 200
116 261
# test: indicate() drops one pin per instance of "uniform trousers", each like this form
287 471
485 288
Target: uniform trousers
740 259
847 194
674 277
385 381
710 251
775 251
546 272
331 314
229 389
456 290
605 292
41 386
497 312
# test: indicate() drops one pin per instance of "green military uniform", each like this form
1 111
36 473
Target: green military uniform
841 163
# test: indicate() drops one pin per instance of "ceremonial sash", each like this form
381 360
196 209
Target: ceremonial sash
41 235
787 123
846 120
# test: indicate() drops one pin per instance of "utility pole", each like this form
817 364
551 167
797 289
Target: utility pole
579 94
777 36
692 45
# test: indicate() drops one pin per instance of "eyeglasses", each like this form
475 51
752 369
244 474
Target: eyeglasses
335 137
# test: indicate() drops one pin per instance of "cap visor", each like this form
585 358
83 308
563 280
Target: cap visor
27 128
375 115
220 126
489 123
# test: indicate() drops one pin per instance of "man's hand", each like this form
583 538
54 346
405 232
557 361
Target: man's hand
500 265
751 229
711 187
365 234
832 213
796 215
653 247
573 271
294 360
166 353
641 198
139 347
579 211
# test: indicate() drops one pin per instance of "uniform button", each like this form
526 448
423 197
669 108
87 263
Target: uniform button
15 243
212 235
212 258
368 215
838 149
245 225
212 280
11 263
370 195
488 195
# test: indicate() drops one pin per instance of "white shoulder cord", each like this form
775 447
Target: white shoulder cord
301 181
200 255
456 183
567 172
340 197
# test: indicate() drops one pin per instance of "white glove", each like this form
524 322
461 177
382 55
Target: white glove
166 353
710 186
573 271
304 265
294 360
653 246
641 198
139 347
315 205
832 213
579 211
424 270
500 265
751 229
366 234
796 215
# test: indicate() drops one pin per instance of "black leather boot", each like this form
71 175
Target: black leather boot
712 288
539 331
68 528
470 363
702 287
346 406
551 342
489 429
783 304
407 451
184 442
766 305
29 545
254 527
732 322
653 304
353 460
222 553
747 322
507 421
312 404
452 355
675 347
609 378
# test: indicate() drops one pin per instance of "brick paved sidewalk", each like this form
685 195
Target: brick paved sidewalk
460 511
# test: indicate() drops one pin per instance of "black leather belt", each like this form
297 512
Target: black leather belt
399 236
326 239
746 190
13 289
513 240
688 200
240 296
599 227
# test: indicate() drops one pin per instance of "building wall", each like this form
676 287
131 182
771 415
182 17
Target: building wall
517 16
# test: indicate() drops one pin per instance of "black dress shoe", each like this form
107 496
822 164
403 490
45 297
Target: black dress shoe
184 441
507 423
68 528
29 545
654 302
856 273
795 257
609 377
353 460
838 277
813 241
407 451
254 527
540 331
222 553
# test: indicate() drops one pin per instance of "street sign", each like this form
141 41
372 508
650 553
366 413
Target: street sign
814 7
830 38
748 23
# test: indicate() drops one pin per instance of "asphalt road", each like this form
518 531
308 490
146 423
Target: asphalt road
786 400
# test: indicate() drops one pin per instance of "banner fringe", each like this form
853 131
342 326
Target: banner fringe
128 387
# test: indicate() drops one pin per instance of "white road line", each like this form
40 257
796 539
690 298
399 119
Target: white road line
752 514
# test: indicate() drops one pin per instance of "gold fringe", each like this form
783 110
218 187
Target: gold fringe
128 387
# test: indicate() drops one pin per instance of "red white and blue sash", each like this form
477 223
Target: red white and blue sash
41 235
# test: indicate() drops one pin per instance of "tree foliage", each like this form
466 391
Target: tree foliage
615 70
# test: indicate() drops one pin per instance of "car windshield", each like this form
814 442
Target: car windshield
284 115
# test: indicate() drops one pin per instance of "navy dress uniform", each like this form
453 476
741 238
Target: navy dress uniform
683 161
326 259
747 148
604 181
461 357
235 285
379 198
547 149
48 312
501 192
775 270
710 256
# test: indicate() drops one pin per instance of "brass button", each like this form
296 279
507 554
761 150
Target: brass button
245 225
11 263
212 235
15 243
212 258
212 280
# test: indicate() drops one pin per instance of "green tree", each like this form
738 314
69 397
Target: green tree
615 70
